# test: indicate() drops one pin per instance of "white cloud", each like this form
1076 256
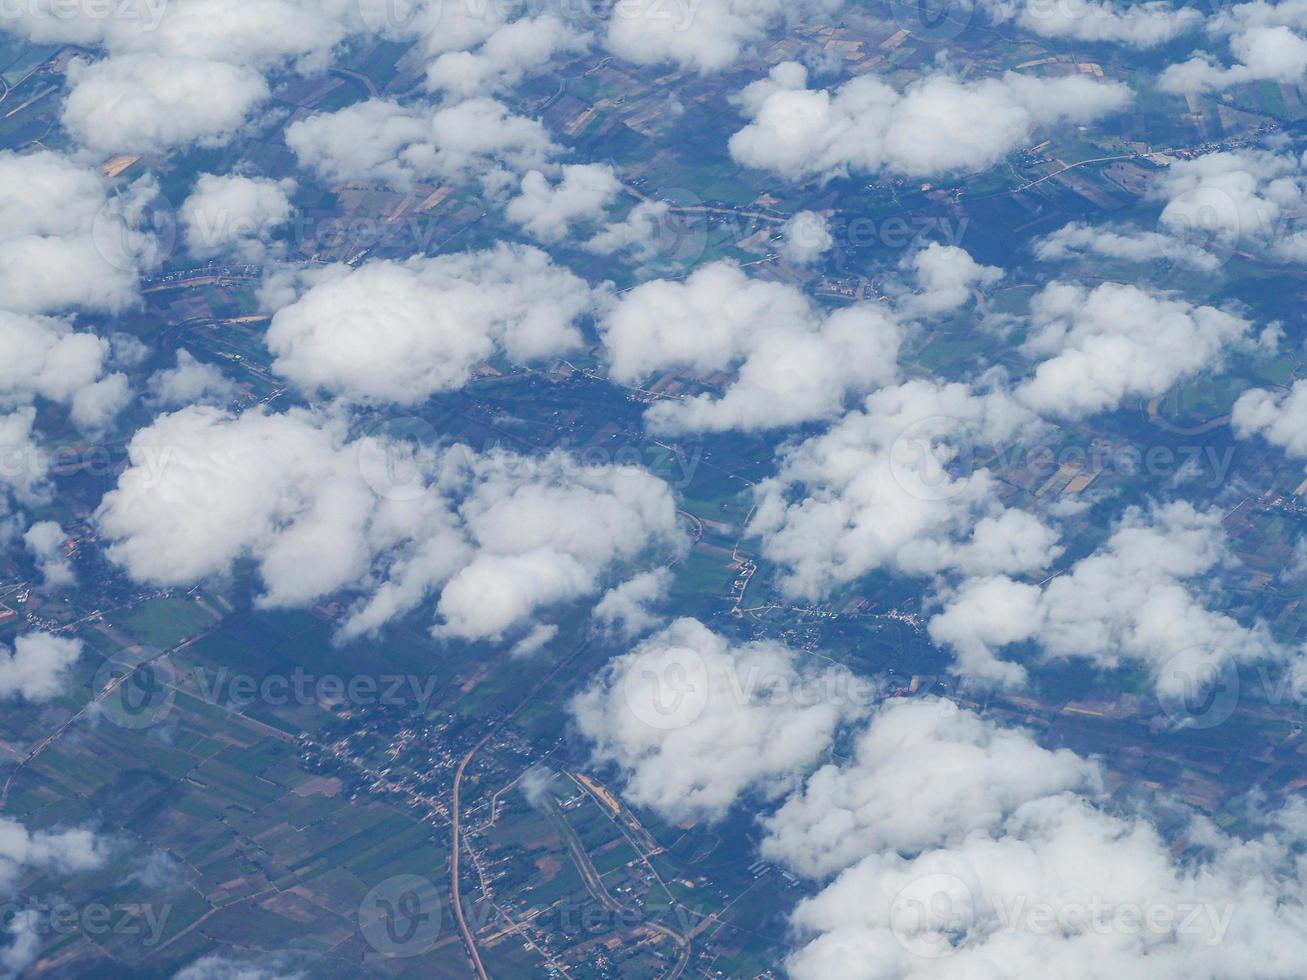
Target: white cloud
695 721
897 484
147 102
806 238
58 217
496 537
46 358
703 35
399 332
581 196
380 140
45 543
1078 239
945 276
1065 889
190 382
1140 598
1141 25
793 362
924 774
36 670
937 125
624 610
1279 417
236 214
1101 346
513 52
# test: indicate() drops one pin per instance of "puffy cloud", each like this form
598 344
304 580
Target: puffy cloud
380 140
64 243
143 102
1278 417
36 670
216 967
191 382
695 721
937 125
45 543
1265 41
1142 25
496 537
1079 239
392 331
945 276
924 774
897 484
508 55
46 358
806 238
24 465
1139 598
180 72
548 211
704 35
1115 341
1241 199
624 610
640 233
236 214
793 362
1065 889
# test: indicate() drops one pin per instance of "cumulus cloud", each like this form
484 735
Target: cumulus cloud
1064 889
807 238
898 484
936 125
945 278
703 35
1081 240
793 362
45 358
37 669
236 214
1279 417
190 382
1244 199
582 194
695 721
512 52
1141 25
1141 598
144 102
625 610
924 774
1266 44
186 71
401 331
380 140
1100 346
45 543
496 537
65 242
